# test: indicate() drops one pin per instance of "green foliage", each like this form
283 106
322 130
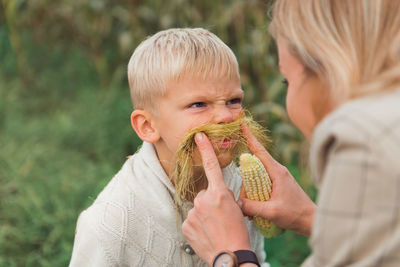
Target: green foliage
65 106
287 250
60 144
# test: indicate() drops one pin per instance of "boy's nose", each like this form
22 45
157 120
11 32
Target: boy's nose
223 115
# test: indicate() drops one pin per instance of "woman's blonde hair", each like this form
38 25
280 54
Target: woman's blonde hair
351 45
173 54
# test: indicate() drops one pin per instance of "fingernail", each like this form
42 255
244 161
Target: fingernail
240 203
199 136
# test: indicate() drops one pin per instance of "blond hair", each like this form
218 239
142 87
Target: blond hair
351 45
173 54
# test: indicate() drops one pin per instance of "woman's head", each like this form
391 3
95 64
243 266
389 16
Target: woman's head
351 47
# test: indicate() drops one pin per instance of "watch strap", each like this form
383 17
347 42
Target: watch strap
244 256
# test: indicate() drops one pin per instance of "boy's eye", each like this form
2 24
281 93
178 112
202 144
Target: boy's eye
285 82
197 105
234 101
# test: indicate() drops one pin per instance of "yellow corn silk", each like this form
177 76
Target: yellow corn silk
186 185
258 186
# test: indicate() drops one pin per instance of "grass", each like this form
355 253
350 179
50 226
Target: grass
52 165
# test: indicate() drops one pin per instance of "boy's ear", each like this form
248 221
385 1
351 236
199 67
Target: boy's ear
141 121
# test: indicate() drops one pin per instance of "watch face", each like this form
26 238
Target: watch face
224 260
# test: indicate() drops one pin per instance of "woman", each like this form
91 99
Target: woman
341 60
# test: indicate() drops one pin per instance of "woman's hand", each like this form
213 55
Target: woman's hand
289 206
216 221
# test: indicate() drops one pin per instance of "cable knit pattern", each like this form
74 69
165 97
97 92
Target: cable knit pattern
133 221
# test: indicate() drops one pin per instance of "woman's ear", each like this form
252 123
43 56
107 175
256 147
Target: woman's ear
141 121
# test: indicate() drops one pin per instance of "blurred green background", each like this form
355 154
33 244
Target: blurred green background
65 107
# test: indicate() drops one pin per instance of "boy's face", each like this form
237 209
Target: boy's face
191 103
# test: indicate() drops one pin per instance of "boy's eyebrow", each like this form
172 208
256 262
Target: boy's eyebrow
238 93
204 95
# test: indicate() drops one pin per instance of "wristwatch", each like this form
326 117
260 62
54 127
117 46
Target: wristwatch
228 258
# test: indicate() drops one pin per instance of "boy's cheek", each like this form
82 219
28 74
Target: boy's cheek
197 158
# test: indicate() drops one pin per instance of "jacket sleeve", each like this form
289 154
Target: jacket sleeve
357 214
87 250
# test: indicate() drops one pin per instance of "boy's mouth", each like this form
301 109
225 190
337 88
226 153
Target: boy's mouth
225 144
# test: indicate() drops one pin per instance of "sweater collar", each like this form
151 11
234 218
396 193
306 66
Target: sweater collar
149 156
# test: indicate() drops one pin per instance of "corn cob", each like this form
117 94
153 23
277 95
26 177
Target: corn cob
258 186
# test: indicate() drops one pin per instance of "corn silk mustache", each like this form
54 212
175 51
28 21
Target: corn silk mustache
182 175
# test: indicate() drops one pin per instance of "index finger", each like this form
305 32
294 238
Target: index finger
210 162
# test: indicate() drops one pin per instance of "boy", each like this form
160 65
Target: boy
179 79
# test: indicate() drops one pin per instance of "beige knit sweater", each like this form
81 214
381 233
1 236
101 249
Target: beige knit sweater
133 221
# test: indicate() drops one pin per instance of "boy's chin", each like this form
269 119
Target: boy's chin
224 159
